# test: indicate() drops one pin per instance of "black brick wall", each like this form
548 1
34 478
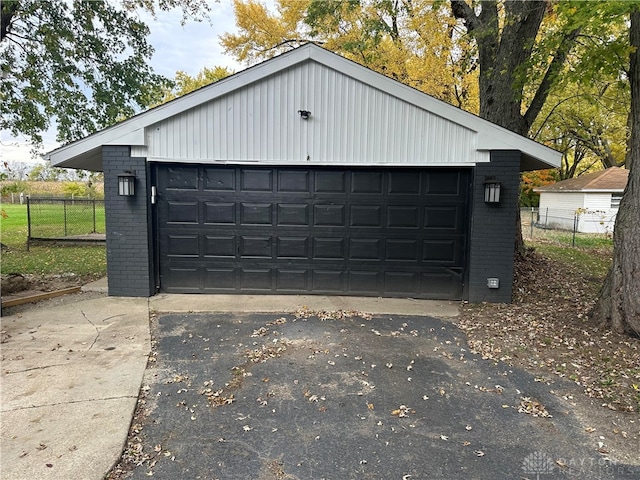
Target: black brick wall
130 266
493 229
129 252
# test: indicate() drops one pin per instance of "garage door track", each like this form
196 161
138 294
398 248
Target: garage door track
335 396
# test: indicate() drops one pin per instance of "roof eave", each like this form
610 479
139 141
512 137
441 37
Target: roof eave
80 154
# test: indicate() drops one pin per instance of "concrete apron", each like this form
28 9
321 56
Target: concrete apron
291 303
70 381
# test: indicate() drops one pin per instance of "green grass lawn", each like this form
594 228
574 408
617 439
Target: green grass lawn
74 218
58 259
592 253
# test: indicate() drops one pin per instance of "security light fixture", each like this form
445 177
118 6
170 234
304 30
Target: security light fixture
491 190
126 183
304 114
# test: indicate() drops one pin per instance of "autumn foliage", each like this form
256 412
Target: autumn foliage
531 180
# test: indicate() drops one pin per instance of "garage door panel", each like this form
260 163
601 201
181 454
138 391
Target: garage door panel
293 214
328 281
381 232
328 248
363 282
293 181
399 216
442 251
183 212
365 216
401 282
442 183
329 215
291 280
256 180
403 250
330 182
440 284
256 279
293 247
180 178
447 217
366 182
255 247
220 213
183 245
221 246
186 279
404 183
365 249
219 279
217 179
256 213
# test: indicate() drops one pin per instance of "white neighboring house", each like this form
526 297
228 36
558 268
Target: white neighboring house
588 203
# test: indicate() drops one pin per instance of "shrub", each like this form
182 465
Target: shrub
74 189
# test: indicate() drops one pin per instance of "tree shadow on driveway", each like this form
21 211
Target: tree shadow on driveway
264 396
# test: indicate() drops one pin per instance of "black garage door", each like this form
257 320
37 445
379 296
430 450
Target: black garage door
383 232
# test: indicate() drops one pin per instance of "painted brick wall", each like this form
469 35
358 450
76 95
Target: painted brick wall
493 229
127 223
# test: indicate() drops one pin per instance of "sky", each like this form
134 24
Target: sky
189 48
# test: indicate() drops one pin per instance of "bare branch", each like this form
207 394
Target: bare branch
550 77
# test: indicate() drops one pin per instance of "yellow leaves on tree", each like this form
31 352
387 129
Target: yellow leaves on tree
264 34
416 44
185 83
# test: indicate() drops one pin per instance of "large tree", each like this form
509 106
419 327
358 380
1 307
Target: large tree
82 65
523 52
506 34
618 305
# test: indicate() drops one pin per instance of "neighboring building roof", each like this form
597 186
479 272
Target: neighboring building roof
465 137
612 179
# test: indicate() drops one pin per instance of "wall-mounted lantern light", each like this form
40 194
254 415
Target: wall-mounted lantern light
304 114
126 184
491 190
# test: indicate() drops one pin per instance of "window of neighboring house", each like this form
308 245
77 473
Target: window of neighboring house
615 200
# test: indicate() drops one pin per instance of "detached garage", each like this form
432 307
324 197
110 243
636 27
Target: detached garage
588 203
309 173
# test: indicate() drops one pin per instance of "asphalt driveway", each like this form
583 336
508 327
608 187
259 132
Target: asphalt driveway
270 396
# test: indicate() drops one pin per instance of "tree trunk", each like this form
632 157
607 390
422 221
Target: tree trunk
502 54
618 305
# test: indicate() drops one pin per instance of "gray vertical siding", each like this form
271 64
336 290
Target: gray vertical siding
493 229
128 223
351 123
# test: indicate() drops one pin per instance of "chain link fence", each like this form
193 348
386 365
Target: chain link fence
63 219
574 227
